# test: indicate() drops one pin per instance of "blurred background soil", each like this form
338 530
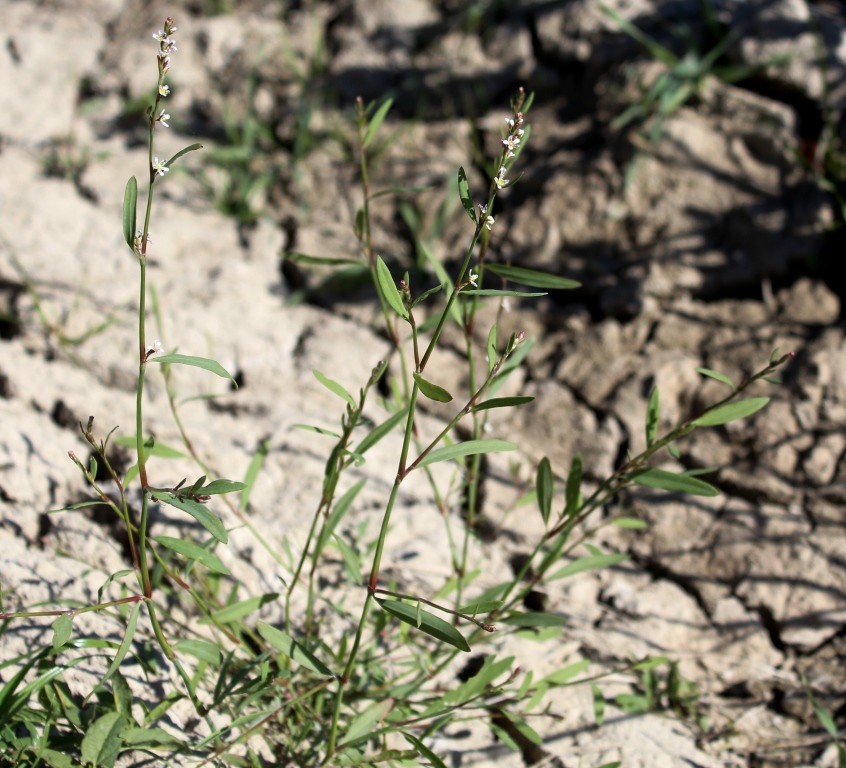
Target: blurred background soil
693 181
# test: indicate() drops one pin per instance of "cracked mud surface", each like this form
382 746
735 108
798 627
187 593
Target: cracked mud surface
710 248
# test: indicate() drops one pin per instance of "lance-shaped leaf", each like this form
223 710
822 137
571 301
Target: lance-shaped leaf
193 552
326 261
377 433
152 447
363 724
389 288
589 563
251 475
503 402
499 293
716 375
731 412
351 560
653 416
464 194
237 611
125 644
216 487
485 606
429 623
545 487
572 491
432 391
204 516
531 277
424 750
101 744
130 200
292 649
375 122
492 348
467 448
198 362
335 388
671 481
201 650
184 151
62 628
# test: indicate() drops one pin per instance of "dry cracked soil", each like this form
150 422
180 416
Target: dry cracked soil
706 236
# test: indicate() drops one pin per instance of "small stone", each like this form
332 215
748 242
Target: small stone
809 302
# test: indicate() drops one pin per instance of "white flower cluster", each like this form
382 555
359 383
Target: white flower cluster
515 133
166 47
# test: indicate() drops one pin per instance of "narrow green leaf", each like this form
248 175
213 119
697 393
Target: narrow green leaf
327 261
197 362
130 200
772 380
630 523
343 504
125 644
653 416
152 447
429 623
502 402
350 559
101 743
319 430
363 723
501 294
670 481
256 463
377 433
375 122
238 610
480 607
399 190
546 487
523 727
424 750
532 619
204 516
774 356
492 354
650 663
589 563
201 649
217 487
716 375
467 448
432 391
564 675
193 552
531 277
62 628
598 704
464 194
335 388
426 294
504 737
731 412
673 451
184 151
158 737
292 649
572 493
389 288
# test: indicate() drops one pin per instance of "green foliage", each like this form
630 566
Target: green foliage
327 675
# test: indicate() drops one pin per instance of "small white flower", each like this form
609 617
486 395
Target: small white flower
164 90
483 208
166 64
509 154
511 143
510 121
473 278
159 167
520 132
163 118
506 304
170 45
489 222
155 349
500 181
161 36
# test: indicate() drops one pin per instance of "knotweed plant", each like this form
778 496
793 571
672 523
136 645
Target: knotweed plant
323 686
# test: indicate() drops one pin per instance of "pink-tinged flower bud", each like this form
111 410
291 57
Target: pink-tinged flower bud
519 337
